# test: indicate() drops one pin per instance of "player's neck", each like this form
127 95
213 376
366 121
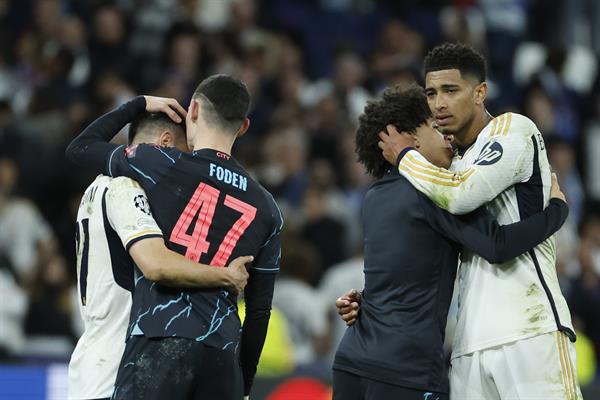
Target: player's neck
471 131
213 140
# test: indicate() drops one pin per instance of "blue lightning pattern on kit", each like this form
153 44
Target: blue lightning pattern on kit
161 307
188 308
226 344
215 322
136 323
237 344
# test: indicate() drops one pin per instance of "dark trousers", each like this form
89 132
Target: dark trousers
347 386
177 369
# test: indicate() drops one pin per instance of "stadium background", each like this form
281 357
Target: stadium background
310 65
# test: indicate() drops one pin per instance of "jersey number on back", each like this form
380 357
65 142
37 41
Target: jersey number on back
203 204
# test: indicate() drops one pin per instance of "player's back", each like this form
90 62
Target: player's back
104 286
521 298
409 277
211 211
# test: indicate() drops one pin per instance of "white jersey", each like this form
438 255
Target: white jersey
113 214
507 170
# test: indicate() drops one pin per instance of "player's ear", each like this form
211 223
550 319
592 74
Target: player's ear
417 141
166 139
243 128
480 93
194 110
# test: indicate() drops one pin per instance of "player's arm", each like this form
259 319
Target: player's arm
258 297
128 213
92 148
164 266
481 233
504 161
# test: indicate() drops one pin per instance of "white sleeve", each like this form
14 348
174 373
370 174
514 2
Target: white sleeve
128 212
505 159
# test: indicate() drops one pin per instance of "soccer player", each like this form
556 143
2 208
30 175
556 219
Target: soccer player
114 226
185 343
395 349
514 336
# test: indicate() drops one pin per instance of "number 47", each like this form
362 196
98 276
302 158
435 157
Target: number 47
203 203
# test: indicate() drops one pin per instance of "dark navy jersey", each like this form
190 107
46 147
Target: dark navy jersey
411 252
211 211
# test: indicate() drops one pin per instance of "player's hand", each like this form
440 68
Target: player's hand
555 191
348 306
237 274
393 142
171 107
246 397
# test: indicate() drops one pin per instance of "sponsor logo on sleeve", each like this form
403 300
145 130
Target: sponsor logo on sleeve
490 154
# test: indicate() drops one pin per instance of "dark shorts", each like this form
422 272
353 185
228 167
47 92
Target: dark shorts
347 386
177 368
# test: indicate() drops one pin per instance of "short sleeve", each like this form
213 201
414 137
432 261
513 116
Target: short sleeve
128 212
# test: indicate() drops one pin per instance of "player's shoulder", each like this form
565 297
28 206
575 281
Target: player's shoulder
121 189
152 151
123 183
511 124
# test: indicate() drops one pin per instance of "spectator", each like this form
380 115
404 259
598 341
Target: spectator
24 234
303 307
585 294
109 42
12 311
324 231
50 312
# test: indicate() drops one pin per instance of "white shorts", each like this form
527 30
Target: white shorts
541 367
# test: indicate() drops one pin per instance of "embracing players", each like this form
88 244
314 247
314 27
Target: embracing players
189 343
395 349
115 228
514 336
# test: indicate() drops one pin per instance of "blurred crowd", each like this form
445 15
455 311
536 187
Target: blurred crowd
310 65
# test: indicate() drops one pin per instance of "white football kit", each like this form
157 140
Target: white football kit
114 214
501 305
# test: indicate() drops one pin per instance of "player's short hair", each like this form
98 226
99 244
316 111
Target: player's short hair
406 109
225 101
456 56
149 124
